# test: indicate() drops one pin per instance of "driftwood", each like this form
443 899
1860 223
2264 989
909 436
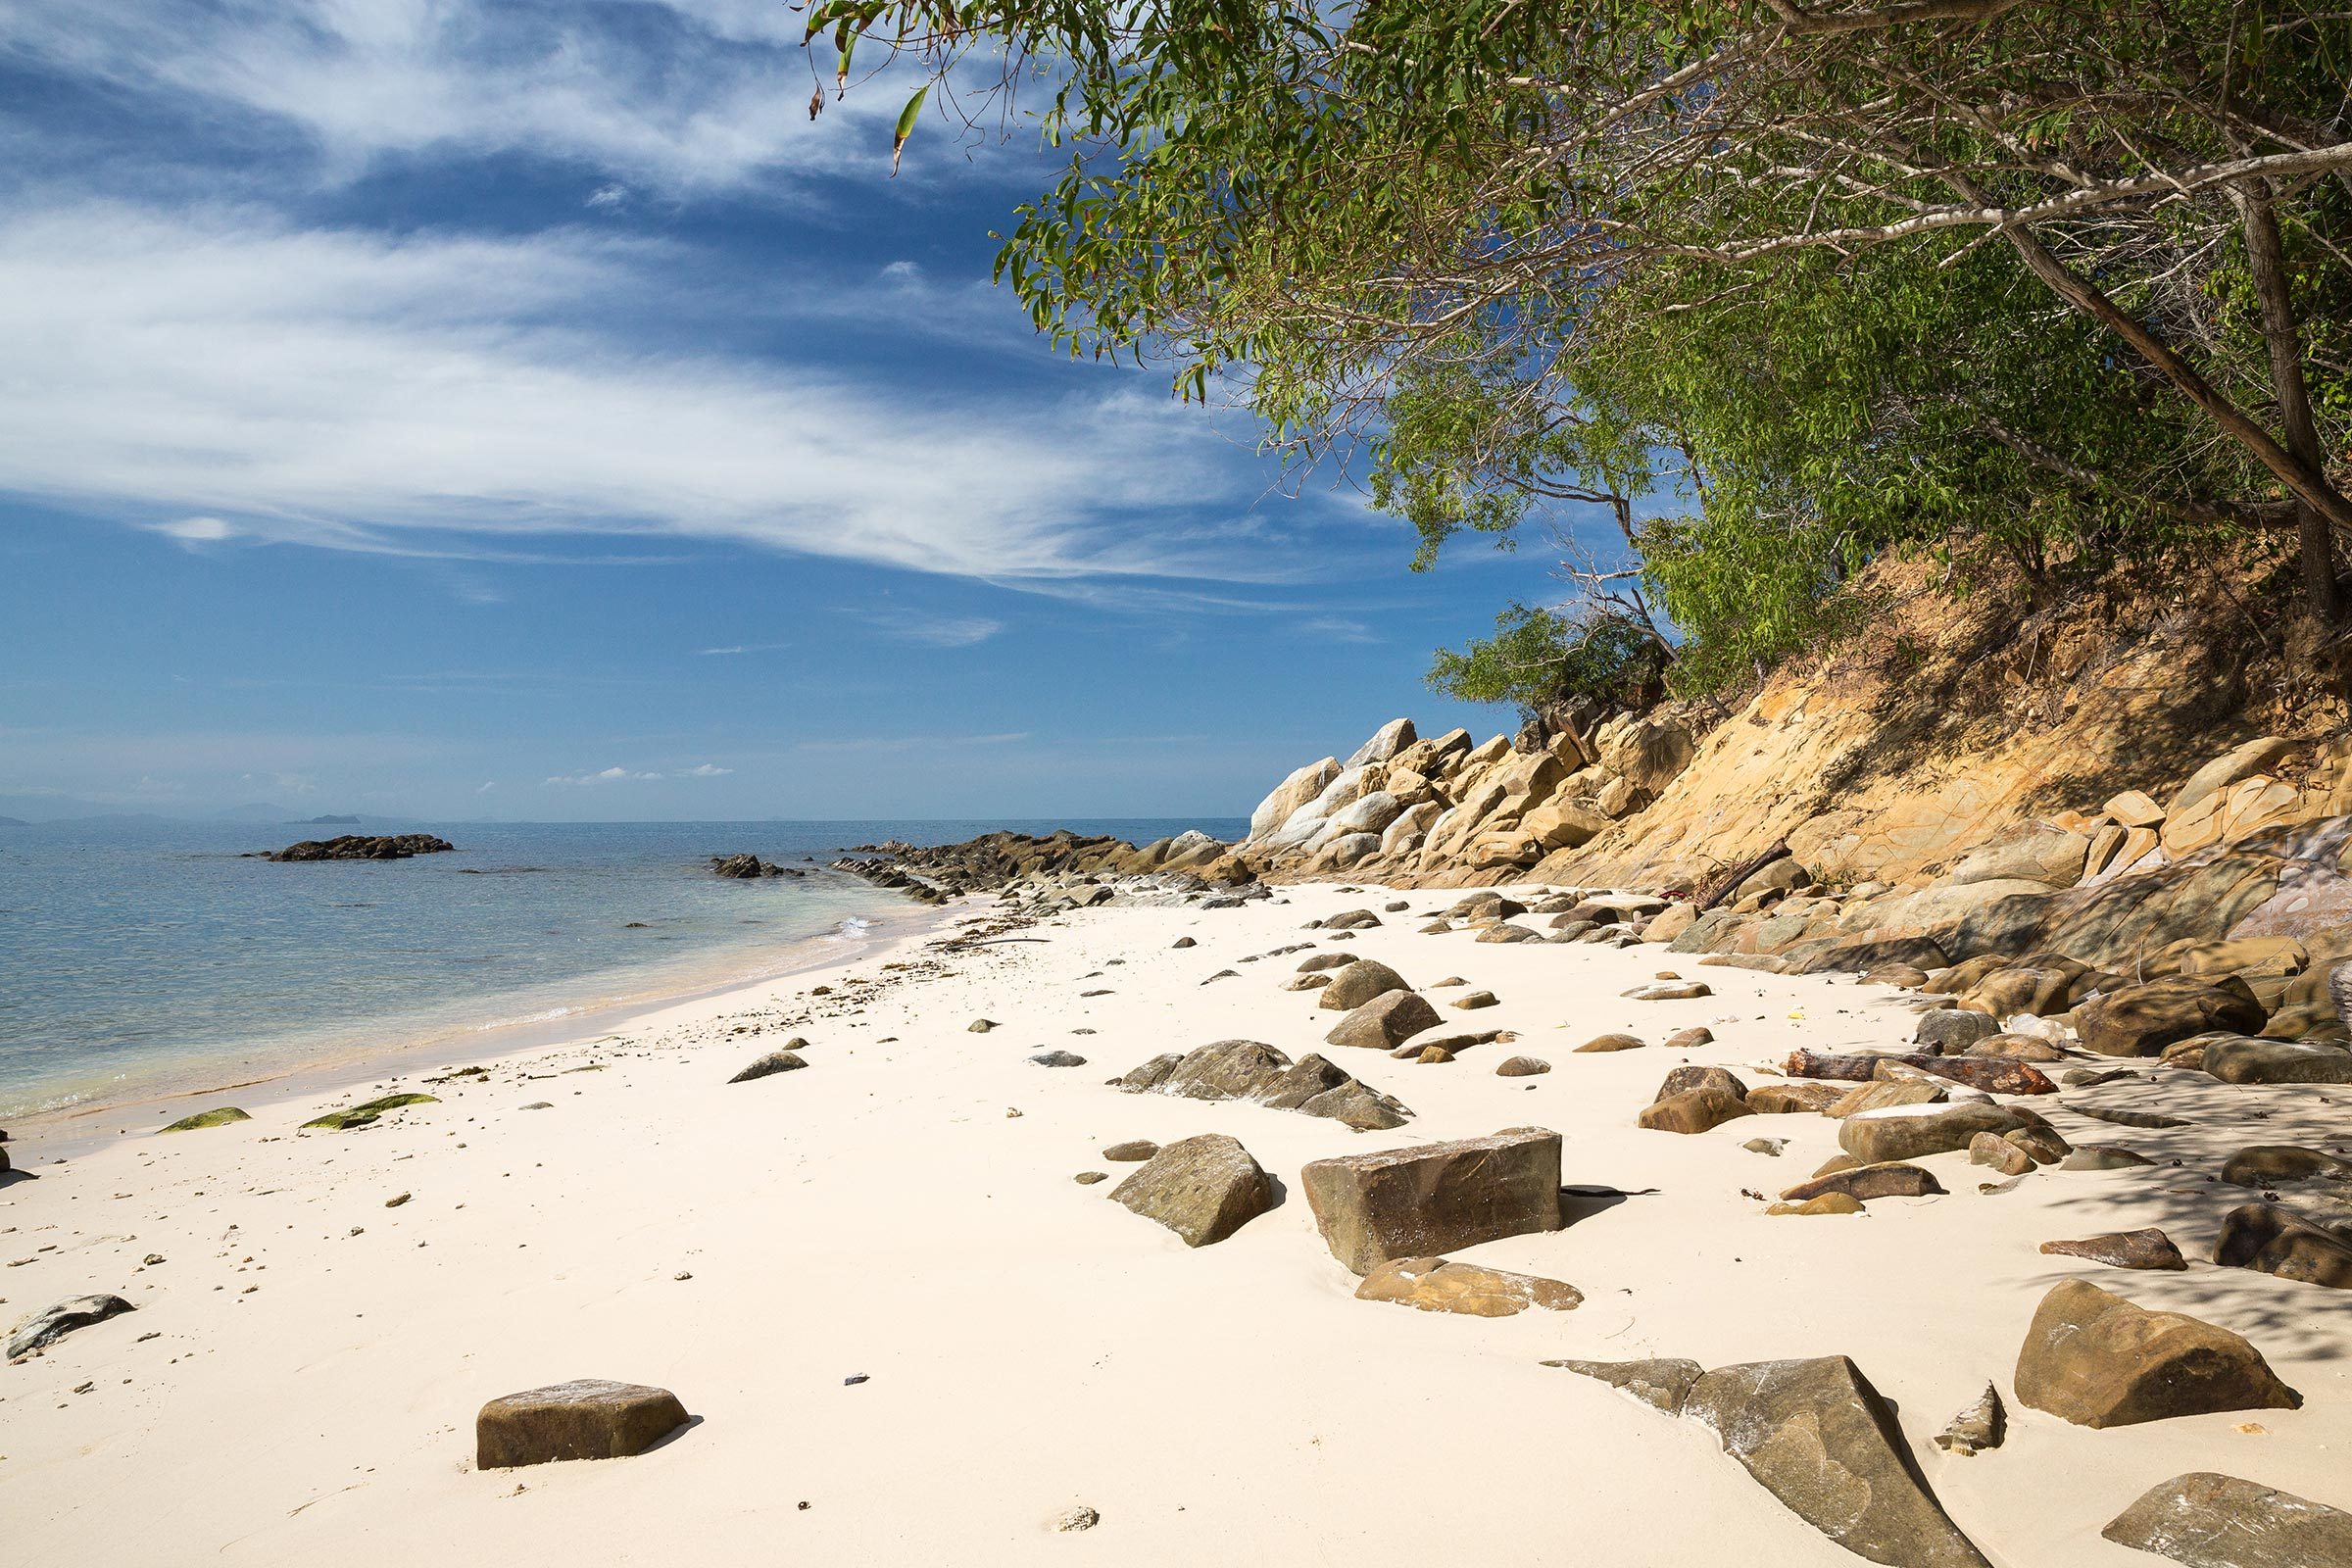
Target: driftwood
1715 892
1996 1075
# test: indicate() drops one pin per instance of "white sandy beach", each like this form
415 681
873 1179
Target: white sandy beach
299 1381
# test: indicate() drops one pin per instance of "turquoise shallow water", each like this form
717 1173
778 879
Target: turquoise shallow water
139 956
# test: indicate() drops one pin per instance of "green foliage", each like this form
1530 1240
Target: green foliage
1539 656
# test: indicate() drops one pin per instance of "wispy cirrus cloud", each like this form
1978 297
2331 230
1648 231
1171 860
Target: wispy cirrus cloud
909 743
909 625
627 775
221 375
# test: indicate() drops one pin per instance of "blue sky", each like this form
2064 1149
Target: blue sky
454 408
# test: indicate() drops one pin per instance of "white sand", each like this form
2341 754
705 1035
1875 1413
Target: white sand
1032 1346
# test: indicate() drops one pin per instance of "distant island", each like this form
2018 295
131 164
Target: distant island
327 821
13 821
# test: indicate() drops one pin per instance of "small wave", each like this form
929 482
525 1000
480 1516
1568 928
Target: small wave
548 1015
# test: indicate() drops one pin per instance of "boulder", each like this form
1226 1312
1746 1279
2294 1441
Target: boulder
1991 1149
589 1419
775 1062
1384 1022
2241 1060
1057 1058
2141 1248
1520 1067
1251 1070
1560 825
1980 1426
1600 1045
2096 1359
353 1117
1302 786
1131 1152
52 1324
1203 1187
1953 1030
2275 1164
1694 1110
2036 852
2141 1020
1472 1001
1693 1076
1663 1382
2208 1520
2227 815
2239 763
1782 1099
2103 1157
1904 1132
1386 741
1435 1198
2278 1241
2131 809
1354 984
1647 752
1825 1203
1669 991
1439 1284
1866 1183
1886 1094
1819 1437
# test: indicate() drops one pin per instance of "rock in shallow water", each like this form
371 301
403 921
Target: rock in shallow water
587 1419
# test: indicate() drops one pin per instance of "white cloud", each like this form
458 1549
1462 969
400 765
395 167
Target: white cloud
685 94
706 770
352 390
1340 629
197 530
611 775
911 743
919 626
605 197
740 648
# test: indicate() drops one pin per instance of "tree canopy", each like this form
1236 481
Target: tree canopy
1777 286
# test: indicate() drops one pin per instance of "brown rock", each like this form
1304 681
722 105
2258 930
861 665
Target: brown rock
1686 1078
1670 991
1886 1094
1132 1153
1434 1056
1980 1426
1520 1067
1435 1198
1202 1187
1694 1110
1384 1022
589 1419
1817 1436
2272 1164
1782 1099
1991 1149
1690 1039
2141 1248
2278 1241
2208 1520
2141 1020
1439 1284
2242 1060
1908 1133
1614 1042
1865 1182
1663 1382
1825 1203
2094 1358
1470 1001
1354 984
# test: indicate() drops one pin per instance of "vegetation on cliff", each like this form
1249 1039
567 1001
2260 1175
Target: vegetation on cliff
1782 289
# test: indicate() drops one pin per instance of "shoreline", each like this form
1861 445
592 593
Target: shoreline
906 1334
55 1132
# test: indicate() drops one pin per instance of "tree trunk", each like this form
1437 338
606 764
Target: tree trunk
2305 483
2266 265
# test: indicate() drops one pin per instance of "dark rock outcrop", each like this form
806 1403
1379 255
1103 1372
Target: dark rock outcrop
359 847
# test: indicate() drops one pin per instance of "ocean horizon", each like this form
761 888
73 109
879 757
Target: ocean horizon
148 956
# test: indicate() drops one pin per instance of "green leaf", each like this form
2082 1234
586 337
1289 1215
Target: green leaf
906 127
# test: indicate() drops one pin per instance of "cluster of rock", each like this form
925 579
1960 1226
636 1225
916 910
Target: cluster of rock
1443 811
358 847
1247 1070
1059 871
748 867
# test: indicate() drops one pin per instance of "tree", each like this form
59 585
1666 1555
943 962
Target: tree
1369 207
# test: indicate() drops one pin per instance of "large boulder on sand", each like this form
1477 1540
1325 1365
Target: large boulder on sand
2208 1520
1909 1132
781 1059
1435 1198
1357 983
2141 1020
588 1419
2278 1241
1818 1437
52 1324
1694 1111
1385 1022
2096 1359
2244 1061
1202 1187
